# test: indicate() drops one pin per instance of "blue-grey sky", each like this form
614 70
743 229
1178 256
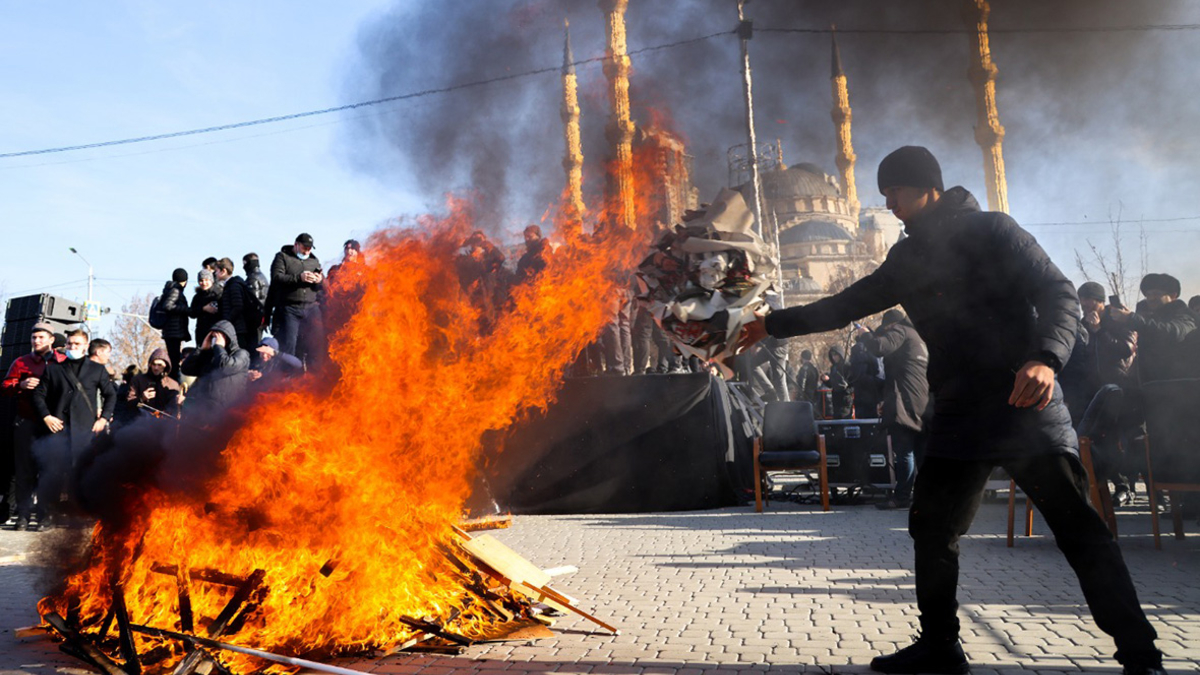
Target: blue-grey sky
1097 123
80 72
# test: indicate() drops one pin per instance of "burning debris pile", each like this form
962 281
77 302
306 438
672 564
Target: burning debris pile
707 278
329 523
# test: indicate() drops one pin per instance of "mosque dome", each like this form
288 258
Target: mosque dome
809 231
795 182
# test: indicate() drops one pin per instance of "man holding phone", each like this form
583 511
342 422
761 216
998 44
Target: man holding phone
1000 320
294 301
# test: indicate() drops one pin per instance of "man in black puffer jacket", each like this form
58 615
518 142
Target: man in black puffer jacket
174 305
294 302
999 319
222 370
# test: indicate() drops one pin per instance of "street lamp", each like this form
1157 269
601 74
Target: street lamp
87 313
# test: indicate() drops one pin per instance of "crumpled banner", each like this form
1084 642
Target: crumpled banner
709 277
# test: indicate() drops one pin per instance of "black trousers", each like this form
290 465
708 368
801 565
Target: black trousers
174 347
25 466
945 499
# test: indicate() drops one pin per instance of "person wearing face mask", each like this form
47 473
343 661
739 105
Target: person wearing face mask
23 377
1162 322
66 400
294 302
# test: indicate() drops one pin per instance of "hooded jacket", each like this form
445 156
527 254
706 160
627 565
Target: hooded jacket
175 305
221 373
166 389
905 361
986 299
839 384
286 286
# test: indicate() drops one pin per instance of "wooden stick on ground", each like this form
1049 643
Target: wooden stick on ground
83 646
277 658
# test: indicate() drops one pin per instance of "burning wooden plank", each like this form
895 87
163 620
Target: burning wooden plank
82 647
522 576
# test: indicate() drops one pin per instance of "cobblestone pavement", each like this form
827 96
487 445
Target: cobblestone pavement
792 590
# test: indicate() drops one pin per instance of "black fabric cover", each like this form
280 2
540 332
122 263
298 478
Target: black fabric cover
625 445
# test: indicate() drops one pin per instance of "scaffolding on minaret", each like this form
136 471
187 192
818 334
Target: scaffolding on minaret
841 119
988 132
573 206
619 196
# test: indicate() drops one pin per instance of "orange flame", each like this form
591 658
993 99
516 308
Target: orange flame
371 472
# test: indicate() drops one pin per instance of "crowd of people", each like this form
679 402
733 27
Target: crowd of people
67 394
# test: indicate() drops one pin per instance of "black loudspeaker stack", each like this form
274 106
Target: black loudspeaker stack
21 315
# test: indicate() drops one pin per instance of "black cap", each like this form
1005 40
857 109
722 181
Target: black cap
179 276
1161 282
306 239
1092 291
910 166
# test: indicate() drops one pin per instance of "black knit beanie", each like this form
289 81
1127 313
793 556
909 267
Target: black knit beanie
1091 290
179 276
910 166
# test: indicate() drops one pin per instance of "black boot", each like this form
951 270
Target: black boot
926 655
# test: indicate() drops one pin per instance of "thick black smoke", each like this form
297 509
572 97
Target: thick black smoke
1083 110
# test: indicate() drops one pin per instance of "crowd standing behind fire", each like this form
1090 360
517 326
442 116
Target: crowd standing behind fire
884 377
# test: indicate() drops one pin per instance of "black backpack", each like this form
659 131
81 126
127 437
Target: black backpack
158 315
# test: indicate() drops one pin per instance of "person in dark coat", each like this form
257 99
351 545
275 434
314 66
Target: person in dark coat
205 303
1162 322
174 305
255 279
154 388
269 367
345 286
237 304
66 400
297 286
838 381
21 381
533 260
866 378
221 369
905 396
807 380
999 319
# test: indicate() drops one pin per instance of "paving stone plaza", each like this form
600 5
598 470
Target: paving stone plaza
792 590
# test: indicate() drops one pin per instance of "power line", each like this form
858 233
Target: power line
352 106
991 31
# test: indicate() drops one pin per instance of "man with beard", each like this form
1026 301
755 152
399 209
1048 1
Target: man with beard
23 377
66 401
999 319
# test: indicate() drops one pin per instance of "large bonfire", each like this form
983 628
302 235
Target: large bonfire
345 495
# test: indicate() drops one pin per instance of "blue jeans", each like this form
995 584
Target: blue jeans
905 445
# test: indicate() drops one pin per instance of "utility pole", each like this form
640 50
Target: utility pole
745 33
87 313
